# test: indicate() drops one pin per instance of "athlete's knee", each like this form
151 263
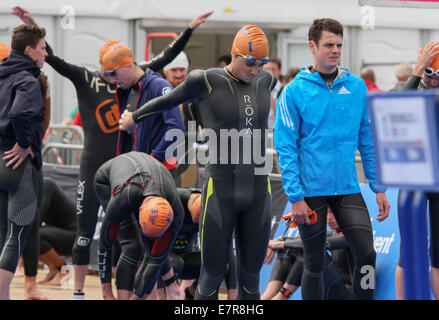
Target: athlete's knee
249 285
81 251
208 285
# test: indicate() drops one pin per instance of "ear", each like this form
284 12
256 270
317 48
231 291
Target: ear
27 50
312 46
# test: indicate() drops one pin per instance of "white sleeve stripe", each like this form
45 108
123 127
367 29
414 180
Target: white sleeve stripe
286 113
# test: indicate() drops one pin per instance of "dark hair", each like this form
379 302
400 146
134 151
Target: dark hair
226 58
291 74
276 61
326 24
26 35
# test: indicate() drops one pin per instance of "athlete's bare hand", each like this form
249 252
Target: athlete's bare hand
17 155
24 15
273 247
194 24
126 122
383 206
425 57
300 210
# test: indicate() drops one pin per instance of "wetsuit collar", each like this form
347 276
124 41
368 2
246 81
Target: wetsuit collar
230 74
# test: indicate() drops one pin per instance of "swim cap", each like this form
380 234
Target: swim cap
5 51
195 207
251 41
155 216
104 48
117 56
435 63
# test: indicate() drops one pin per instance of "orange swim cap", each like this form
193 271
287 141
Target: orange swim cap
251 41
117 56
104 48
5 51
435 63
155 216
195 207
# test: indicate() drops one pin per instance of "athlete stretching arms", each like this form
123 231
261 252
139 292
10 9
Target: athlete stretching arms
234 98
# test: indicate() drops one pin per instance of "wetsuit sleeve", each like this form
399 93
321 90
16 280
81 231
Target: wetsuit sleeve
286 139
412 83
166 56
336 242
184 195
24 108
68 70
365 146
293 244
192 88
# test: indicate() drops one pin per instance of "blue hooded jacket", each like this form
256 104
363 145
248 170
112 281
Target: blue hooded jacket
150 133
317 132
21 105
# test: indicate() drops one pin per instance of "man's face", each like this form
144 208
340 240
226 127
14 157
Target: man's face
175 76
273 68
327 52
432 82
243 71
39 53
122 77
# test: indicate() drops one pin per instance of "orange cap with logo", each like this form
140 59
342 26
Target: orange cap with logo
104 48
155 216
5 51
117 56
251 41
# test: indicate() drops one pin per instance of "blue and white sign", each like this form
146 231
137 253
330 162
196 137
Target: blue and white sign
405 134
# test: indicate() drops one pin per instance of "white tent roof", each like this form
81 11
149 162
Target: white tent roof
279 13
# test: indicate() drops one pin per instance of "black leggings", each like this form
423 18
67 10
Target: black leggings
19 192
352 215
233 198
433 206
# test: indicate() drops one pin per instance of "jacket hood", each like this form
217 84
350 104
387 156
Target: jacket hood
306 73
17 62
149 76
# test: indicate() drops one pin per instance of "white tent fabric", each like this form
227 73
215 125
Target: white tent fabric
280 12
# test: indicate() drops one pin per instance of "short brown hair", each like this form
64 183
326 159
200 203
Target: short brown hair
326 24
26 35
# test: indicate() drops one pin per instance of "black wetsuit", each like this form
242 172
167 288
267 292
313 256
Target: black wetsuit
185 257
99 115
58 220
121 184
288 266
235 192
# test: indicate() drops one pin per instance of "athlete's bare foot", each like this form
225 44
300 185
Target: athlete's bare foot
49 276
174 292
56 280
31 291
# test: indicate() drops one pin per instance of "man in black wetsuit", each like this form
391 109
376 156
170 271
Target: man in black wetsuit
234 107
123 185
99 114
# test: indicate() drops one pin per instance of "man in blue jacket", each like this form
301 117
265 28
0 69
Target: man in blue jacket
322 121
135 87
